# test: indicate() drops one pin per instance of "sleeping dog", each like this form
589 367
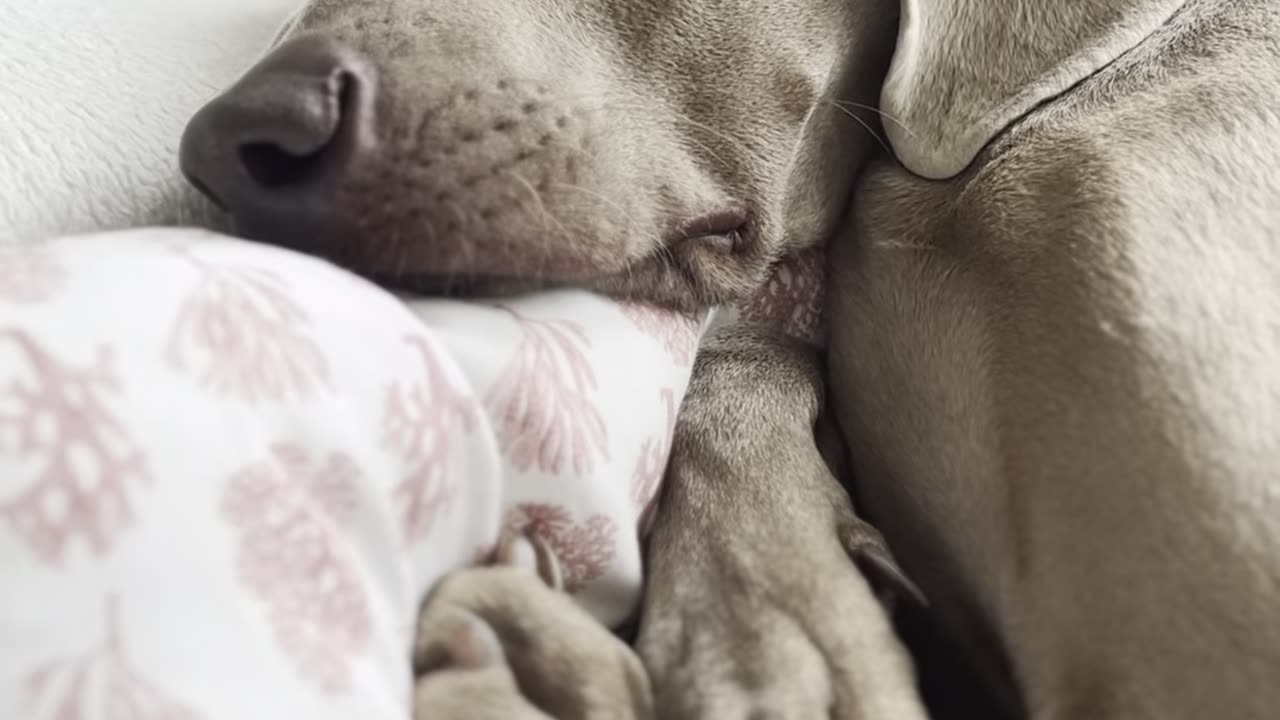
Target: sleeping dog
1053 298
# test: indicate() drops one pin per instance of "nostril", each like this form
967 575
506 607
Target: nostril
297 124
295 158
271 166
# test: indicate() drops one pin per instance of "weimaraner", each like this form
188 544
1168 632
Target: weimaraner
1054 305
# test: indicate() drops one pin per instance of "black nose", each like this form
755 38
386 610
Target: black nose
272 148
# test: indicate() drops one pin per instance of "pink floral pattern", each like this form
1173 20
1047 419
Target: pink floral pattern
584 550
421 421
101 683
29 275
245 350
287 509
62 426
244 337
678 333
543 403
793 297
651 465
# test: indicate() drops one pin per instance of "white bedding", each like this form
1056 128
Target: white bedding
235 470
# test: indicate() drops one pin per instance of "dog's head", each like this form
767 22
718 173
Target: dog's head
668 149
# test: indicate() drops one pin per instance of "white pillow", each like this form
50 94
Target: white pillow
229 472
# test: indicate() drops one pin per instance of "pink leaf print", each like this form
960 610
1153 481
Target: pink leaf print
793 297
584 550
420 423
542 405
677 332
101 683
29 275
245 338
81 458
290 556
651 465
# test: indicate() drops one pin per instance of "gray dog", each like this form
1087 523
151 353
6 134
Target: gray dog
1054 305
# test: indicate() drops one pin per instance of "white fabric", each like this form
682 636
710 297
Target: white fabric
228 472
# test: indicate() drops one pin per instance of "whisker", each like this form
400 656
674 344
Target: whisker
631 221
754 154
545 214
401 264
899 245
877 111
463 221
707 149
537 199
676 116
864 124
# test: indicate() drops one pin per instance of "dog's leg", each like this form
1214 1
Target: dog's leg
764 588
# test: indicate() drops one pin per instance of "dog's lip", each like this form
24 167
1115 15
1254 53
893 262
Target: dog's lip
724 221
729 229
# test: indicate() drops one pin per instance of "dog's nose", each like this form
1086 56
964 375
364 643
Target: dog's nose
271 149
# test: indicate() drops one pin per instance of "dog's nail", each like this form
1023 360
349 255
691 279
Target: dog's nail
523 555
531 553
888 580
870 553
548 563
513 550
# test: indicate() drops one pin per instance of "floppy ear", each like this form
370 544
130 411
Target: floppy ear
963 70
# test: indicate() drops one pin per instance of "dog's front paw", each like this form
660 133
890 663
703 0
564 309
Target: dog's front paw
506 642
791 628
763 595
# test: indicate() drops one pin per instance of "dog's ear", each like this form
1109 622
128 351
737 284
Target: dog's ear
870 553
963 70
